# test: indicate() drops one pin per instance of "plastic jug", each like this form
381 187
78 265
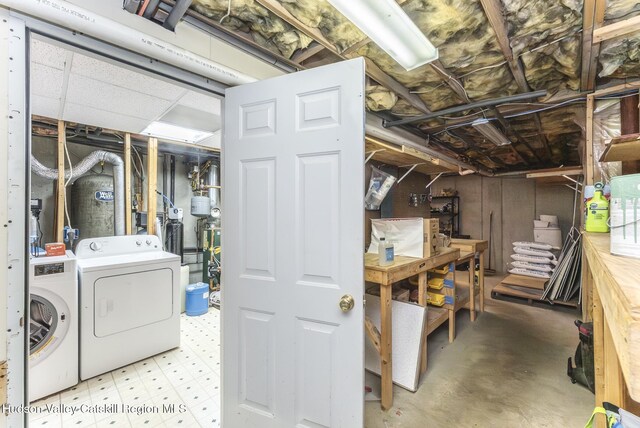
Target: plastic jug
597 211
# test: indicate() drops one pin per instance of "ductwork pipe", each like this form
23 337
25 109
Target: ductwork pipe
83 167
76 18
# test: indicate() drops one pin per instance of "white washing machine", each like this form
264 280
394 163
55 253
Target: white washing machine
129 301
53 326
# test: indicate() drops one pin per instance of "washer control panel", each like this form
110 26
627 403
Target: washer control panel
117 245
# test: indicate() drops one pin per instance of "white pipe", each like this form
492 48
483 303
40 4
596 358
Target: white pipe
76 18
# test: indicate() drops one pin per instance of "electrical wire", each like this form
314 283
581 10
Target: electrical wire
66 209
228 12
165 198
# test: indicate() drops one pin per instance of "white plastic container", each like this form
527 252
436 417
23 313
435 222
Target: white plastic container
548 235
625 215
385 253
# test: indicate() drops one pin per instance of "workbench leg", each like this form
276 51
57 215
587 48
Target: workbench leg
386 374
452 325
481 281
472 289
598 350
422 301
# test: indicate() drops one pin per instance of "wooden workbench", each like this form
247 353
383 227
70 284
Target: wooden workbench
474 246
402 268
611 298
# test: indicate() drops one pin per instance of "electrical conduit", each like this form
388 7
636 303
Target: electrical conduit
83 167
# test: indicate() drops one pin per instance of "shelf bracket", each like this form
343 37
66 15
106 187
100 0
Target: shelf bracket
433 181
408 172
371 155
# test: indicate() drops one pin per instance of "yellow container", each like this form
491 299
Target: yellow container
435 299
436 283
597 211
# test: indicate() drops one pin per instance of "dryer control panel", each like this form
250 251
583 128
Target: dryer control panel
117 245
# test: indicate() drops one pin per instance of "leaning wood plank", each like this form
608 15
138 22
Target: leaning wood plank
617 282
373 333
618 29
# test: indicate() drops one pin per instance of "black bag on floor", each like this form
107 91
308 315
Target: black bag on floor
583 372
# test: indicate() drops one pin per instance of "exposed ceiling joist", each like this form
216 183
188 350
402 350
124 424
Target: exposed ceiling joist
621 28
372 70
508 128
542 135
493 11
304 54
593 18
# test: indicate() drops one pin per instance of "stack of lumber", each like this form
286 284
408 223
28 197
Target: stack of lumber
524 288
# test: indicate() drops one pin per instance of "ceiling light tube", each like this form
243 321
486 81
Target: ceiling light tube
492 133
389 27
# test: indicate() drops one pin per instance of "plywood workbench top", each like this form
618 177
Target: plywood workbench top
404 267
617 280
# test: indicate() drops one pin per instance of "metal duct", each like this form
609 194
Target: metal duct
214 180
84 166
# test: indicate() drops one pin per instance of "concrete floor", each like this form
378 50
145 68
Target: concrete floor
506 369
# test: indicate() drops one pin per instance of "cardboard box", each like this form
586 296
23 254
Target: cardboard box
55 249
431 230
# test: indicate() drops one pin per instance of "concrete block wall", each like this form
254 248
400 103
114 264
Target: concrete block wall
515 203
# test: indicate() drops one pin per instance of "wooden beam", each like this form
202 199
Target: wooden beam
304 54
618 29
392 84
454 83
152 184
372 70
556 172
127 184
60 193
542 135
593 19
508 127
494 12
588 155
634 84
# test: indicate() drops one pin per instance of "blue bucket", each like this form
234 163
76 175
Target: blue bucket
197 302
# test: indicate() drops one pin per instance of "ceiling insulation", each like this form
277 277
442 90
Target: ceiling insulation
544 35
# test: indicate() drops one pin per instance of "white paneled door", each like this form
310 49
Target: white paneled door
292 304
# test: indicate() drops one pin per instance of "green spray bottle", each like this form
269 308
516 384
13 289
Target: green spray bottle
597 211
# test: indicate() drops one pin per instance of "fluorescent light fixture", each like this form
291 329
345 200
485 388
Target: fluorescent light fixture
168 131
492 133
389 27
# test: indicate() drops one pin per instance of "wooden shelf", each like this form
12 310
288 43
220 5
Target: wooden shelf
623 148
555 176
405 156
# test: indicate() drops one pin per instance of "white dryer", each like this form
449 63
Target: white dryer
129 301
53 326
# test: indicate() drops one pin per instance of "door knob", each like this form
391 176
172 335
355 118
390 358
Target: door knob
347 303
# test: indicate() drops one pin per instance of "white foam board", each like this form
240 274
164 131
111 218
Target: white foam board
407 326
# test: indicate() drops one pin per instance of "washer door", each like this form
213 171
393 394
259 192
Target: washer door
48 325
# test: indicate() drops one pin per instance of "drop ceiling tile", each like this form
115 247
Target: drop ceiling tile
215 141
47 54
105 119
124 78
106 97
44 106
46 81
207 103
